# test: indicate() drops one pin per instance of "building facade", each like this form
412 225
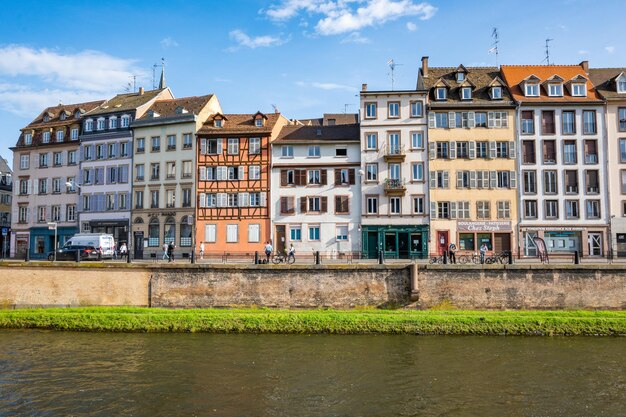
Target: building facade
563 155
610 83
45 158
164 172
472 158
394 214
6 191
106 153
315 195
234 160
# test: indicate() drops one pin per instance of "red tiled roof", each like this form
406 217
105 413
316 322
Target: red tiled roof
239 123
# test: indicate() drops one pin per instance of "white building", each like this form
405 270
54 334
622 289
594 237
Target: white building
315 197
394 164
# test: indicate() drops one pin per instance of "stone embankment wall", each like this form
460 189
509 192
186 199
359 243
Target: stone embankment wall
341 286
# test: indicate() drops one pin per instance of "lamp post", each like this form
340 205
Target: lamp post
191 219
53 226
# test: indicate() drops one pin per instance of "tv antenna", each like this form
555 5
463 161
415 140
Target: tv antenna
275 107
392 65
547 58
494 45
345 108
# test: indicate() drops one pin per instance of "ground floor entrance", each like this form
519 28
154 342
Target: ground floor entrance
396 242
587 241
42 240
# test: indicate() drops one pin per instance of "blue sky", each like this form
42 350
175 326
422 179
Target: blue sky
305 56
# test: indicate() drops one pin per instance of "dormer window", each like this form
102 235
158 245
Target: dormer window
125 121
60 135
441 93
28 138
113 123
555 90
532 90
181 110
217 122
77 114
46 137
153 114
621 84
578 90
496 93
62 116
466 93
88 125
460 77
101 123
46 118
258 122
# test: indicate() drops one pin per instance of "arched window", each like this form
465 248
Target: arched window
153 232
185 231
169 234
139 220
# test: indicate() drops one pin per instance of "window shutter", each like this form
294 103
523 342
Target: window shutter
505 118
491 120
222 200
451 120
115 201
471 120
243 200
303 204
452 150
263 198
337 204
472 179
82 153
324 204
492 149
100 175
202 146
433 179
472 150
453 209
433 210
301 177
337 176
431 120
512 150
512 179
493 179
209 233
109 172
445 179
459 179
105 151
351 176
283 177
125 173
283 205
220 146
240 174
432 150
49 185
28 214
323 177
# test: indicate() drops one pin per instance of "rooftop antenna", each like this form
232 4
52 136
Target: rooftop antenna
494 45
547 58
345 108
275 107
154 67
392 65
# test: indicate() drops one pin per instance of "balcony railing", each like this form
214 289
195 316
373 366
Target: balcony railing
591 159
395 186
395 153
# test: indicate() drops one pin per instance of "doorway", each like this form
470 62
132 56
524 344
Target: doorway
442 241
595 244
372 245
501 242
280 244
138 245
403 245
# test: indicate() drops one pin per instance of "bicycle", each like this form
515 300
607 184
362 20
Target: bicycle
283 258
436 260
466 259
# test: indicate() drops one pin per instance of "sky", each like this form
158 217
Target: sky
306 57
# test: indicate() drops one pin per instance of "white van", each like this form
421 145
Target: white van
103 242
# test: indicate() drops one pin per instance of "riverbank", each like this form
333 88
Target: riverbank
368 321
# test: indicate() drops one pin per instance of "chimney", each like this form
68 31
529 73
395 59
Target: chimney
424 66
585 65
141 91
363 87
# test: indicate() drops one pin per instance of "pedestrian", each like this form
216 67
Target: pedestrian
483 251
452 253
268 251
170 251
165 255
292 253
201 250
124 251
114 250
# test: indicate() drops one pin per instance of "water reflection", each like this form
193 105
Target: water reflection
47 373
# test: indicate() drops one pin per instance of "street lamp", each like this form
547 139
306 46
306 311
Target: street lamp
53 226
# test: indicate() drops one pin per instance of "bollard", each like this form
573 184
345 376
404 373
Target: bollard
317 258
128 256
381 257
27 256
445 257
510 258
256 257
576 258
77 255
193 256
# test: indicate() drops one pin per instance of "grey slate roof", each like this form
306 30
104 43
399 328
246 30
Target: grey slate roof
604 81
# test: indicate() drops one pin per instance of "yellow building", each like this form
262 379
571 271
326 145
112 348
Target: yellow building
472 159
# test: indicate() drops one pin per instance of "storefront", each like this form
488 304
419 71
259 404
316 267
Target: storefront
587 241
42 240
497 235
117 228
396 242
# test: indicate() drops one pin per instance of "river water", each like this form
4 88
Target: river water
45 373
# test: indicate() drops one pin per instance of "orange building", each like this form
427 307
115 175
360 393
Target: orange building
234 159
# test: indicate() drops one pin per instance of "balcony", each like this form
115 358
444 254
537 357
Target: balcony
591 159
171 147
395 187
395 154
593 189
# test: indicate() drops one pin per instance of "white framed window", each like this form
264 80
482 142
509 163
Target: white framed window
341 232
101 123
60 135
57 159
254 231
113 122
255 146
441 93
460 77
24 161
210 233
232 233
295 232
286 151
28 138
555 90
466 93
88 125
46 137
504 209
70 212
258 122
314 151
370 110
418 204
171 142
372 141
187 140
578 90
254 172
531 90
74 134
156 143
217 122
233 146
371 172
417 140
125 121
417 109
417 171
393 109
314 232
496 93
372 204
394 205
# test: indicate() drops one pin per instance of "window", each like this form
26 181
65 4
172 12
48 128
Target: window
140 172
480 119
255 146
442 149
125 120
528 122
466 93
138 199
258 122
496 93
591 151
287 205
622 119
314 204
110 202
286 151
122 201
393 110
549 152
443 210
57 159
372 141
234 173
460 77
141 145
217 123
394 205
441 93
186 169
394 171
569 152
171 170
623 180
23 214
254 230
571 209
232 233
418 204
41 214
154 199
593 209
394 144
372 205
462 150
295 233
462 179
70 212
483 210
592 181
589 122
502 149
482 149
530 182
155 171
314 232
569 122
528 152
498 119
370 110
100 151
112 150
88 125
441 120
417 109
462 210
28 138
254 172
46 137
341 232
578 90
441 179
622 150
342 204
101 123
555 90
532 90
314 151
87 176
187 140
171 142
60 135
417 140
571 182
233 146
371 172
156 143
56 185
549 182
43 160
551 209
547 122
417 171
314 177
530 209
504 209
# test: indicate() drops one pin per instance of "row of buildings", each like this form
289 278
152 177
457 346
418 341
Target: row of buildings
470 155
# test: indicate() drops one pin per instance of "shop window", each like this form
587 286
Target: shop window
466 241
485 238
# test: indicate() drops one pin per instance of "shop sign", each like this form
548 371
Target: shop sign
495 226
554 229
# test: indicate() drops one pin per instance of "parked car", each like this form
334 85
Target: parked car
68 253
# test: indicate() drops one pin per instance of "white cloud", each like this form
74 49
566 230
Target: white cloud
610 49
325 86
583 52
168 43
27 101
355 37
412 27
265 41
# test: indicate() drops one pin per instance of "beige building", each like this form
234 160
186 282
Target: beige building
164 172
472 158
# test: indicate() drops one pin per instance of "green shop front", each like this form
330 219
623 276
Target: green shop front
396 241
